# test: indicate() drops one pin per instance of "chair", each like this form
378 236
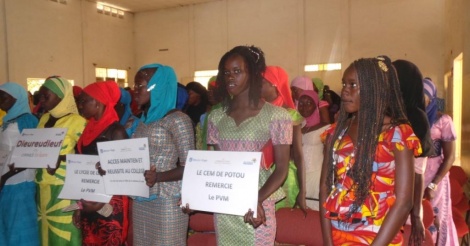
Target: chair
293 228
460 203
203 230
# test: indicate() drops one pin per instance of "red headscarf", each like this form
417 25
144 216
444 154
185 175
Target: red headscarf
279 78
107 93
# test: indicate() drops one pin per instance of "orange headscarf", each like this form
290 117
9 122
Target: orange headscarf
108 94
279 78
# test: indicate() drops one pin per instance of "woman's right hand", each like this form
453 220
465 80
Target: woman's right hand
186 208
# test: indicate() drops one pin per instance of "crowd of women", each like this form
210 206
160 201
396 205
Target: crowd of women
364 158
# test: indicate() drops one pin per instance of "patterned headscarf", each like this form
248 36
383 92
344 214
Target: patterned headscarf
108 94
126 100
319 85
163 89
20 107
431 91
314 118
63 89
279 78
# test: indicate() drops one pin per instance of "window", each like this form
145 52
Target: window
203 76
112 74
322 67
35 83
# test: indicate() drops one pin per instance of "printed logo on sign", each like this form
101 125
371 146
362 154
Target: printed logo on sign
59 134
27 134
222 162
249 162
143 148
194 159
106 150
126 149
71 161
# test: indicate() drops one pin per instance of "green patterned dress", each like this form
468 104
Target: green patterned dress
271 122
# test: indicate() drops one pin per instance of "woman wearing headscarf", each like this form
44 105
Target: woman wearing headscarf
197 101
56 227
436 176
18 215
181 96
124 112
301 83
312 128
158 220
276 91
96 104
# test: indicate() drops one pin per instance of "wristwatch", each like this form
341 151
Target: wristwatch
432 186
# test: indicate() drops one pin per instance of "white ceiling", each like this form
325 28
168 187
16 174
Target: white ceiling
149 5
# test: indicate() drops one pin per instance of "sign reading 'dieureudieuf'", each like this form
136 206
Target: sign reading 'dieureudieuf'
125 162
221 181
82 180
38 148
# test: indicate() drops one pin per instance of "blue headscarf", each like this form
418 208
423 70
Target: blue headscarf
431 91
182 96
20 111
162 87
125 99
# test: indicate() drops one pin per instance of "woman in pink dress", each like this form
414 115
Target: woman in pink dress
436 176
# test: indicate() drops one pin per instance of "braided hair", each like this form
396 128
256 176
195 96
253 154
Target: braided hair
380 96
255 65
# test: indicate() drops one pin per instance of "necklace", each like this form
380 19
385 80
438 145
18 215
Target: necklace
335 157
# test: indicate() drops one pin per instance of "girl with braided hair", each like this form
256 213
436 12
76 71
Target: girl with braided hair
368 171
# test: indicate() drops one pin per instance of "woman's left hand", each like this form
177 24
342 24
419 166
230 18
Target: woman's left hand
151 176
301 202
260 218
417 232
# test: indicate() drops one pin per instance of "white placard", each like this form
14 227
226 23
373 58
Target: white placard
4 157
221 181
125 162
82 180
38 148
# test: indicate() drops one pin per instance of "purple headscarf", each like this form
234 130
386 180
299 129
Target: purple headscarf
431 92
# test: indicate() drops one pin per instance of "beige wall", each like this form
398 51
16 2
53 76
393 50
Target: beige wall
47 38
294 33
457 41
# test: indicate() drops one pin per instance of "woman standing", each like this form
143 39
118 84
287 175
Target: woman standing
96 103
56 227
276 91
368 166
158 220
312 145
246 123
18 214
436 176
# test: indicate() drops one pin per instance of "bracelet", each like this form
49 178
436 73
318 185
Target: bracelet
432 186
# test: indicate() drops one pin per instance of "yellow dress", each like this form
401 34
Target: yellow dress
56 227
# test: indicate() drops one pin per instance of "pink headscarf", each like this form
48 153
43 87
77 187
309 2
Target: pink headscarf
279 78
302 82
314 118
